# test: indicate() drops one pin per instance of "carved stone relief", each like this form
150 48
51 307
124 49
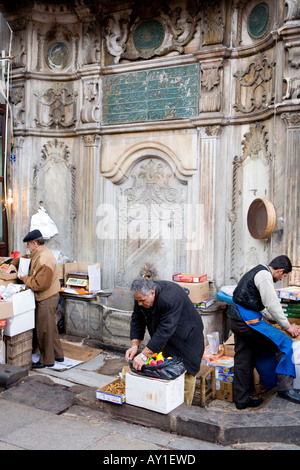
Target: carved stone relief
213 23
143 33
18 102
254 85
56 107
52 175
91 45
210 96
250 180
293 49
57 49
19 50
90 111
151 222
292 10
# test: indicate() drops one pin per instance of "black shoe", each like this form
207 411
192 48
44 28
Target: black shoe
39 365
61 359
250 403
290 395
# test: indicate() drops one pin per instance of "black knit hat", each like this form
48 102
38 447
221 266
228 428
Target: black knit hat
33 235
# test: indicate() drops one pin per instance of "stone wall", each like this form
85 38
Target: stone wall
147 132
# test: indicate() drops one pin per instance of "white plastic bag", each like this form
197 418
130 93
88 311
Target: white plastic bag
41 221
214 341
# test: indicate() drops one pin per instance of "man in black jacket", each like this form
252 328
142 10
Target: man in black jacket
174 325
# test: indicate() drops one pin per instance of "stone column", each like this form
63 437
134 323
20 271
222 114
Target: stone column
209 147
292 188
88 199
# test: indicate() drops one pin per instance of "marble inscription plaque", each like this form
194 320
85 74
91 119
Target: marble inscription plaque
159 94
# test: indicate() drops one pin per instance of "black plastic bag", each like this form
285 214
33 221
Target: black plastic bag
167 370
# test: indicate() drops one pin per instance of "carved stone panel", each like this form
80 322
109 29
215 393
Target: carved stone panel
255 85
251 180
54 188
151 220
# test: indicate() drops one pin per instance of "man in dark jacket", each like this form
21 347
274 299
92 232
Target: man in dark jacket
174 325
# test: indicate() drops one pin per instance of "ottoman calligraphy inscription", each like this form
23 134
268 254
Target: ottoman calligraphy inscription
159 94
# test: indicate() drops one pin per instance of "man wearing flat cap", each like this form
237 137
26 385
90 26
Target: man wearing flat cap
43 280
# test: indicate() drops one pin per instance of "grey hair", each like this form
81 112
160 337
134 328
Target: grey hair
144 285
40 240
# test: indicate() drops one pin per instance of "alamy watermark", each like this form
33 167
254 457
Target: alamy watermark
152 221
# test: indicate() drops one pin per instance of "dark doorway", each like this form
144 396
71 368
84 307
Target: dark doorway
3 217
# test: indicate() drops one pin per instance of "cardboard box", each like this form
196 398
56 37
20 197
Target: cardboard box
93 270
187 277
157 395
21 310
103 394
205 303
292 293
224 365
224 391
224 377
197 292
229 347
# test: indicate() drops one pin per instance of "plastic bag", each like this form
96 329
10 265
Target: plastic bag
167 370
41 221
214 342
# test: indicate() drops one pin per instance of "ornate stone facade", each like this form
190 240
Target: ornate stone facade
147 128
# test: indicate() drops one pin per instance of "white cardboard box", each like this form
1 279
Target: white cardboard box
157 395
22 306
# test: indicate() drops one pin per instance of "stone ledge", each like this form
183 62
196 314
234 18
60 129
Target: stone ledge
224 427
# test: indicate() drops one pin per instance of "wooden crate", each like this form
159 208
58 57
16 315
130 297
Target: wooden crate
19 349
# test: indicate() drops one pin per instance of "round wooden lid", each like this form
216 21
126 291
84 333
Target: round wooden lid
261 218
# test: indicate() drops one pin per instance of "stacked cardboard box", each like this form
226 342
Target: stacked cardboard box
196 287
291 308
224 368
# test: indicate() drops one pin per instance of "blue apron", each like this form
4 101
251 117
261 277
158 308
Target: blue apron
266 364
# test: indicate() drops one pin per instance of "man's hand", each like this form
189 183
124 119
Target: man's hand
138 362
131 352
293 330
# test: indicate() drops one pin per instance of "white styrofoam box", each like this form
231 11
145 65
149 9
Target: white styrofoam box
158 395
20 323
23 319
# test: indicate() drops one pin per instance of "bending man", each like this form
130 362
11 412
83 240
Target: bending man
173 323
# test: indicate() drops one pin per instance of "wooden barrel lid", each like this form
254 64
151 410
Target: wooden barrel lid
261 218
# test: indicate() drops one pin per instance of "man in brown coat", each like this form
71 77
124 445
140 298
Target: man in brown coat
43 280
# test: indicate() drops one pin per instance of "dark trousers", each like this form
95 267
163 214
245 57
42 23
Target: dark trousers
249 343
47 336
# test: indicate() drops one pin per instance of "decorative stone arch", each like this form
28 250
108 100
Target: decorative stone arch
149 219
121 166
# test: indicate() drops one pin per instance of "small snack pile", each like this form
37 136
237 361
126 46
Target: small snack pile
156 358
116 387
